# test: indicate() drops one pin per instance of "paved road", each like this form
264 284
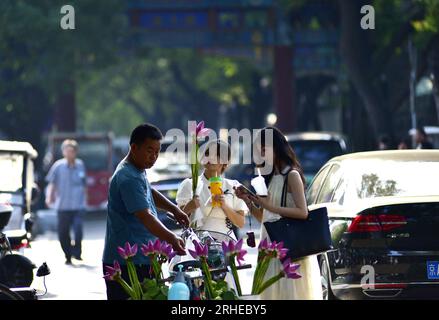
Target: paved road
83 280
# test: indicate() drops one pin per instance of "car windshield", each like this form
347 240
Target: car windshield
11 172
94 153
386 178
313 154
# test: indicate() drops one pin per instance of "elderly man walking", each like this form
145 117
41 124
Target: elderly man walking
66 192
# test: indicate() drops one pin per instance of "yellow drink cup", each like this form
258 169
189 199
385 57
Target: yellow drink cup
216 184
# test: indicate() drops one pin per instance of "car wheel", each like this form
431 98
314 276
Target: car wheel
325 279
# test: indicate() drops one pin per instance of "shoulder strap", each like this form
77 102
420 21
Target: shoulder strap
283 200
285 191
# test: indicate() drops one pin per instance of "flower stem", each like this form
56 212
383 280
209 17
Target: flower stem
194 166
269 282
257 271
261 270
134 279
208 278
156 267
126 287
235 276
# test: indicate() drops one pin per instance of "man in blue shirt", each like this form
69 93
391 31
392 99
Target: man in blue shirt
132 214
66 192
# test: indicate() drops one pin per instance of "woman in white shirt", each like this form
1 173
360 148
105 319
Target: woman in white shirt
199 206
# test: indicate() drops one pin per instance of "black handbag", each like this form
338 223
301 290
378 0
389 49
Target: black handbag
301 237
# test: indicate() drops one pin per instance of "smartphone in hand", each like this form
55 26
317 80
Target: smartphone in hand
246 190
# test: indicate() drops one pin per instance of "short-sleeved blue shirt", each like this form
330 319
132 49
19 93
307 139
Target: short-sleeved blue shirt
70 183
129 192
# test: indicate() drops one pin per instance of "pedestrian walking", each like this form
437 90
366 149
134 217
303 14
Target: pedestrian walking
66 193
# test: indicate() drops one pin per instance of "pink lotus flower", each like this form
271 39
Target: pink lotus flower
225 247
158 248
148 249
157 245
263 245
200 250
290 269
200 131
277 250
112 272
167 251
127 252
234 249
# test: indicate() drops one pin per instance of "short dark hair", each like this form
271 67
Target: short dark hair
143 132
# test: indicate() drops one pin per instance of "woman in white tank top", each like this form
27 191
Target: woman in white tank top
283 160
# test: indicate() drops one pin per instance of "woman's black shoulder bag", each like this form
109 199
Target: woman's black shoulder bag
301 237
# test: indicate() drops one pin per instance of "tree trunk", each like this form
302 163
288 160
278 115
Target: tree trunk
357 56
65 108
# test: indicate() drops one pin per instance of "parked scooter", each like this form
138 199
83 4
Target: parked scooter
16 270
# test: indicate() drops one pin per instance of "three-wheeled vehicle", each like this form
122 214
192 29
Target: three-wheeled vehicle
17 192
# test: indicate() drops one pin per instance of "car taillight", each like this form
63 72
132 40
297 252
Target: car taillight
390 222
376 223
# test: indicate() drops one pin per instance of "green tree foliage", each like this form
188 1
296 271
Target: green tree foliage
169 87
37 56
377 60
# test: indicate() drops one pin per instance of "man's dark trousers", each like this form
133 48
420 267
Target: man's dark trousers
67 220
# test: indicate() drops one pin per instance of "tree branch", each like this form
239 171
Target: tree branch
422 68
388 52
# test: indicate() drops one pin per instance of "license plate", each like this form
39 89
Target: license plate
433 270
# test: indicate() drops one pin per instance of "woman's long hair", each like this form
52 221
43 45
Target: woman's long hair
283 152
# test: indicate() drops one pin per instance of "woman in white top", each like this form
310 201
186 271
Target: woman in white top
283 160
199 206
